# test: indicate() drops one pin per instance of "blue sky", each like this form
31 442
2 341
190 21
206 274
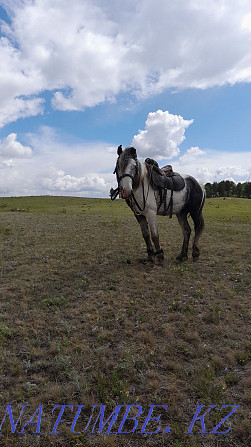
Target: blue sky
79 78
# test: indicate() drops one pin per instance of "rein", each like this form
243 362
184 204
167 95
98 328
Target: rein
144 199
134 198
114 194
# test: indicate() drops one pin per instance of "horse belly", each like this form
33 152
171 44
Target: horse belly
179 200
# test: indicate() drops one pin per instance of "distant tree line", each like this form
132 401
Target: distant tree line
227 188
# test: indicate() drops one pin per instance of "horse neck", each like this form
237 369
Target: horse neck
145 172
140 176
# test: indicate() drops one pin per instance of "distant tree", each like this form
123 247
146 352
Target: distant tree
234 190
229 186
222 188
215 189
239 189
209 190
247 190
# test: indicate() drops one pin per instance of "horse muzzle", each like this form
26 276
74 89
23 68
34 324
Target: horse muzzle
124 194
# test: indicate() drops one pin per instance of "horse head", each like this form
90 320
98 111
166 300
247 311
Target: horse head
127 171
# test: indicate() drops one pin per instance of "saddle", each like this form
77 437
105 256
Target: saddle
164 179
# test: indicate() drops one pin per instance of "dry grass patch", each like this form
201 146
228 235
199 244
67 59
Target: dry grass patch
83 321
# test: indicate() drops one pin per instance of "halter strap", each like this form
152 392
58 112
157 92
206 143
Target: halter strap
125 175
144 199
116 191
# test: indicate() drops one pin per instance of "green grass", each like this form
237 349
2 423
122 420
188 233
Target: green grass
84 322
228 209
5 331
220 209
60 205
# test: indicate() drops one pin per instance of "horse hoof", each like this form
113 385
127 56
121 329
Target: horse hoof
195 254
181 258
160 259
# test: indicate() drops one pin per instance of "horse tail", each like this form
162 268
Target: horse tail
195 203
203 198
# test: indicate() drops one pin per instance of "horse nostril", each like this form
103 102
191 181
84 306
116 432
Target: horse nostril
123 194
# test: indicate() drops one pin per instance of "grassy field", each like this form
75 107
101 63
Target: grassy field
83 321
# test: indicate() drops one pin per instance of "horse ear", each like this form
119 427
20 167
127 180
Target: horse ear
119 151
133 152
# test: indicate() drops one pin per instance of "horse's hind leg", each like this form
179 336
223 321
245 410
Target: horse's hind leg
146 235
198 228
186 230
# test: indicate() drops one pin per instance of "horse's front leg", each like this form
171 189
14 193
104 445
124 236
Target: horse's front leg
152 221
146 235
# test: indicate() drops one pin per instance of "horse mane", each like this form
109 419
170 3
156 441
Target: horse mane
148 170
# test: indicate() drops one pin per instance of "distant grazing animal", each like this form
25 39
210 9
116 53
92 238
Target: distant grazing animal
149 191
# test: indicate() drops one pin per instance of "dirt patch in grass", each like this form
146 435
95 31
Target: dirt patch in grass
84 322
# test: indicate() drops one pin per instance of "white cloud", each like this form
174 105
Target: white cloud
69 183
19 81
76 158
13 109
70 47
48 164
7 163
51 166
10 147
224 172
162 135
191 155
88 51
216 166
246 21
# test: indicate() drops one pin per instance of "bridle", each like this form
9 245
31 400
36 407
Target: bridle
119 178
125 175
116 191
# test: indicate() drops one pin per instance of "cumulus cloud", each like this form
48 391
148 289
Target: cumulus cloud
227 171
13 109
52 164
49 165
69 183
191 155
11 148
70 48
162 135
211 166
20 79
88 51
7 163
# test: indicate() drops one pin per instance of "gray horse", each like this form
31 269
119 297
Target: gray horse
146 199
